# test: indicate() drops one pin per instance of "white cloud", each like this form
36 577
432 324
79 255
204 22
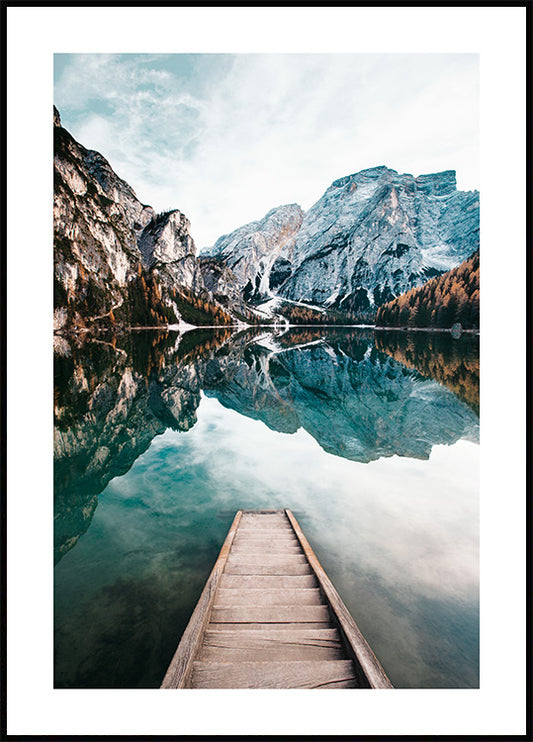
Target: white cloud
224 139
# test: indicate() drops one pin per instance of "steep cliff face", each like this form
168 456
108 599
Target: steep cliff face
376 233
168 250
372 236
251 250
115 259
223 285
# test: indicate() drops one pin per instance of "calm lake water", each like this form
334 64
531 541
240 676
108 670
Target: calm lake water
371 439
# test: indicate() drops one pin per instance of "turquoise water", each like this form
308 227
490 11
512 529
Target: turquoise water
159 442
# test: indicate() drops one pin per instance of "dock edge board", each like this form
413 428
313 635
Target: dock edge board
180 667
366 664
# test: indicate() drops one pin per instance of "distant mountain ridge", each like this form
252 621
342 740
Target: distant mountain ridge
372 236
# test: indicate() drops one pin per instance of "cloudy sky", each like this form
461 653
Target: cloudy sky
226 137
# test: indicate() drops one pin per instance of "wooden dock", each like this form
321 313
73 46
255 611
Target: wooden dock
269 617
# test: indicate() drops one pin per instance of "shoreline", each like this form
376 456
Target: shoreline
183 328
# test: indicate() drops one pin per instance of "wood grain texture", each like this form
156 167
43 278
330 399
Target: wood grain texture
268 569
259 626
306 674
264 582
294 635
261 543
262 522
295 645
270 614
255 547
273 553
269 596
216 649
266 559
266 534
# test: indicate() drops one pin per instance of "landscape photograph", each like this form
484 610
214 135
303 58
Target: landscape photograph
266 372
227 349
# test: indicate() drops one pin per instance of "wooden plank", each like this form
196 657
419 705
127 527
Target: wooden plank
216 649
180 666
328 637
267 614
268 569
270 596
265 521
262 522
266 532
273 548
271 644
307 674
264 511
265 542
366 663
259 626
264 619
257 534
265 582
266 559
278 519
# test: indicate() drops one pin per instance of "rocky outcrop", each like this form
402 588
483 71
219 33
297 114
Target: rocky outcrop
251 250
376 233
95 242
372 236
115 259
168 249
223 285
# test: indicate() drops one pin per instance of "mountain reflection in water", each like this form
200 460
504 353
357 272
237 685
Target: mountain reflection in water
362 396
359 397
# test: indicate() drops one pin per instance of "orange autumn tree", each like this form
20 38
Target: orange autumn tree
441 302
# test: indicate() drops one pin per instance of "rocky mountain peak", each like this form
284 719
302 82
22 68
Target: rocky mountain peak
166 239
377 233
114 257
437 184
373 235
251 250
371 173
